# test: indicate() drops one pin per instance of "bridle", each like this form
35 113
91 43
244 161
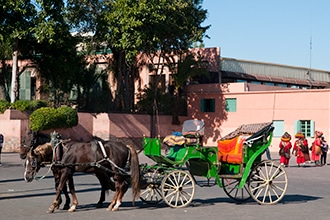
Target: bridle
33 164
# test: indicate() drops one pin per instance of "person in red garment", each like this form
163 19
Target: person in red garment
316 148
285 149
300 149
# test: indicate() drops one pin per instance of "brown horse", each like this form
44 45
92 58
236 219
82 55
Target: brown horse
108 161
30 142
45 156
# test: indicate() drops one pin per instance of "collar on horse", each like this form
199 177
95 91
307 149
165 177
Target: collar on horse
57 144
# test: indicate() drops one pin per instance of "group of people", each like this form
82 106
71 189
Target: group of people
301 150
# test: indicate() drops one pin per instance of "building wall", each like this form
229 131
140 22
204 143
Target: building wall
15 125
252 107
257 107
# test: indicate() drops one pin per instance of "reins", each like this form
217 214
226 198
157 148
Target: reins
52 163
92 164
97 164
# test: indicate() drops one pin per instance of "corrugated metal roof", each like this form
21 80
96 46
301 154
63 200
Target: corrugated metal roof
273 70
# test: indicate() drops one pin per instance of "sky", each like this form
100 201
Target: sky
289 32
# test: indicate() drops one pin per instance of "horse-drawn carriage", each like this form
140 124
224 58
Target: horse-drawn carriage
235 165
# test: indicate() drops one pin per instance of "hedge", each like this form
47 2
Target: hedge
46 118
22 105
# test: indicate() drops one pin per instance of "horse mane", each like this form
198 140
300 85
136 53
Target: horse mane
44 152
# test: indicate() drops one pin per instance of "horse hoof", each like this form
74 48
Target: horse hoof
50 211
66 207
99 205
73 208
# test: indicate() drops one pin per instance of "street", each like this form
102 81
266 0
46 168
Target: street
307 197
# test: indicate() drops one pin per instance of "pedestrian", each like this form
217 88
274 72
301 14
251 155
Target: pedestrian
285 149
300 149
316 148
324 148
1 143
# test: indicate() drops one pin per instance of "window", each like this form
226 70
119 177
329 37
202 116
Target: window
305 126
208 105
282 85
278 128
269 84
231 105
241 80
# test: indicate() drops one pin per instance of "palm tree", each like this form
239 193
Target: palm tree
186 69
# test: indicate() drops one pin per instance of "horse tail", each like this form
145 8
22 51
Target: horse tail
135 173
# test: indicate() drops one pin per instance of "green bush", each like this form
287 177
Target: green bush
50 118
28 106
4 105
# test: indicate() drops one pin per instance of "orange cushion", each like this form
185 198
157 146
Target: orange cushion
230 151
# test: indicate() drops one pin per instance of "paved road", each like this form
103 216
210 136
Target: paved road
307 197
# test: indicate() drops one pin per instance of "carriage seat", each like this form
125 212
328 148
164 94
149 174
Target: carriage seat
230 150
193 138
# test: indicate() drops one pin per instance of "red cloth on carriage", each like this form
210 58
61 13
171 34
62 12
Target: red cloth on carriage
230 151
230 147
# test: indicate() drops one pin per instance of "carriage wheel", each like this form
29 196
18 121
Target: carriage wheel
151 193
268 182
178 189
231 190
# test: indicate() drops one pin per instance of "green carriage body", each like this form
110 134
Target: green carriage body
204 161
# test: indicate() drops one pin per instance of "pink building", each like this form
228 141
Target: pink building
238 92
224 107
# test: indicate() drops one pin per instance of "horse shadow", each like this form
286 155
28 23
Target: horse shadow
127 205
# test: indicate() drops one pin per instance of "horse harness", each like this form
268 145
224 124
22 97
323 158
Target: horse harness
58 144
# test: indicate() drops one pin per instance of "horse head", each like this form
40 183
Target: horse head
35 159
31 141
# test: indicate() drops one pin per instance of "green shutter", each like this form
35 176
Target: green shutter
202 105
312 128
297 126
25 86
231 105
278 128
212 105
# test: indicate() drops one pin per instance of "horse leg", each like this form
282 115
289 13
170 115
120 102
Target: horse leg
65 192
61 183
60 197
121 189
67 198
73 193
102 181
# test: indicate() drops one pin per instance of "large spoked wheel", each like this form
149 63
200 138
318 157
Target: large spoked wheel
150 192
231 190
268 182
178 189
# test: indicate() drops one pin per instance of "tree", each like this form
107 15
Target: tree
57 59
187 67
5 54
16 21
160 28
